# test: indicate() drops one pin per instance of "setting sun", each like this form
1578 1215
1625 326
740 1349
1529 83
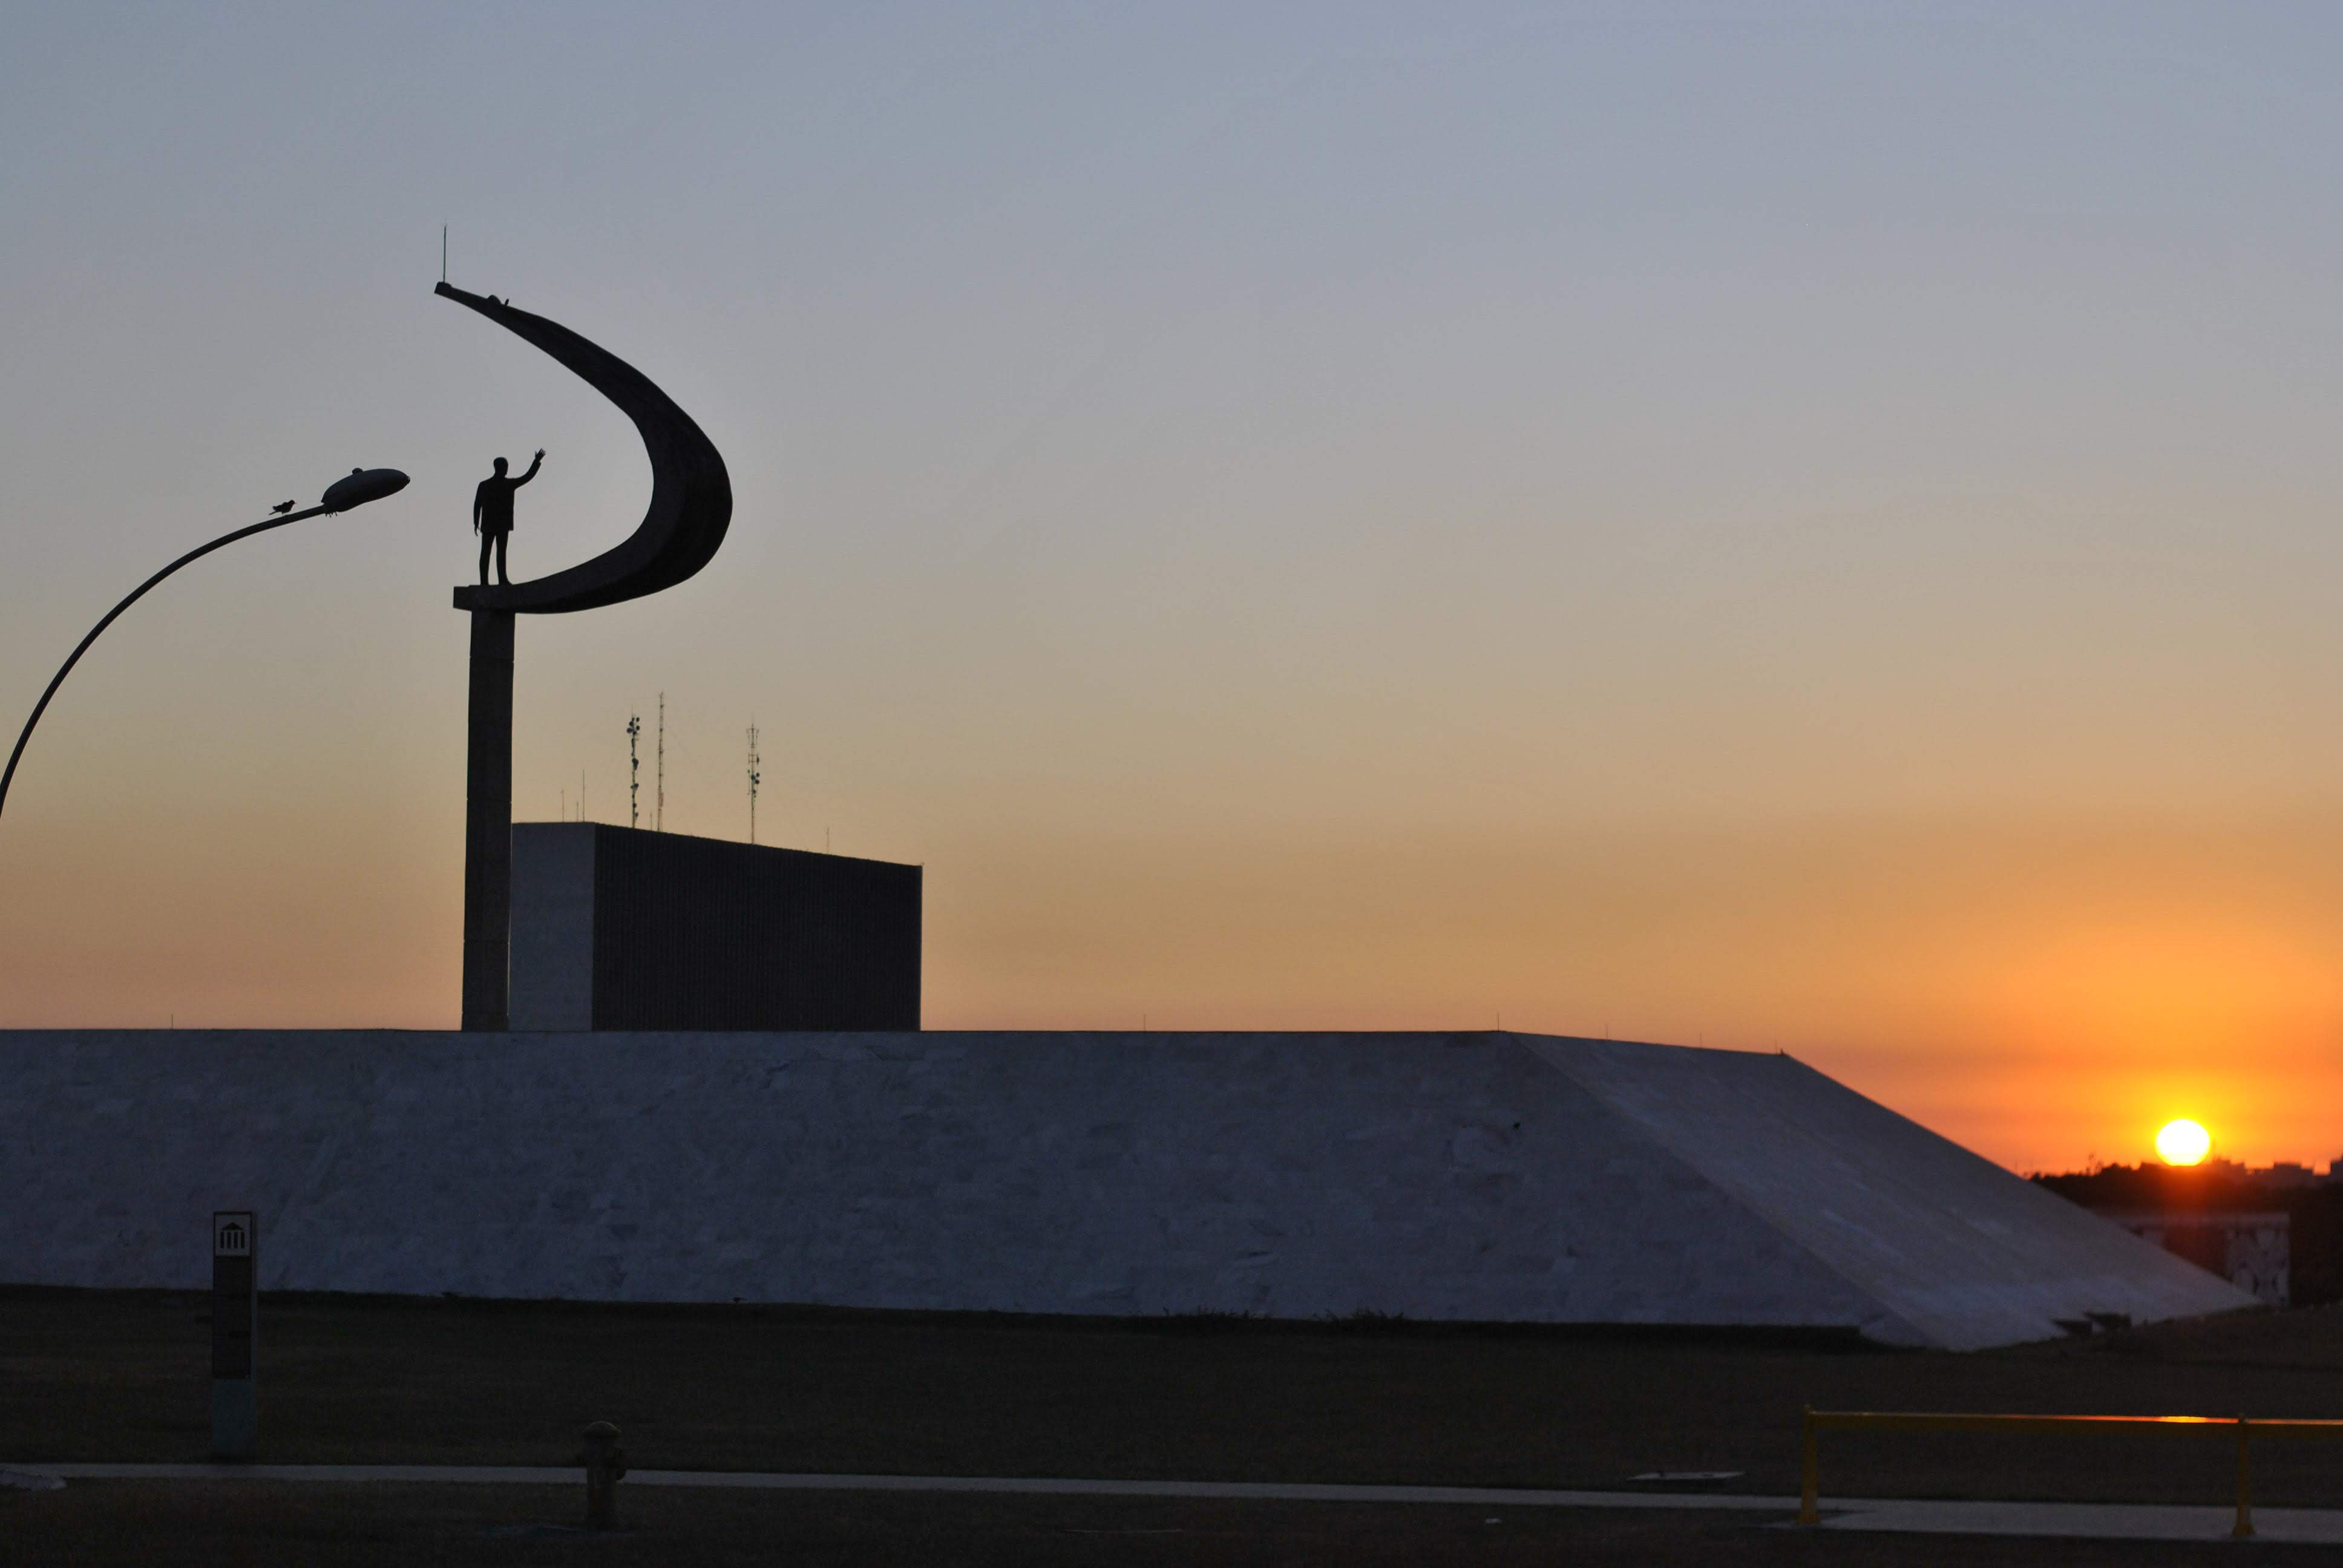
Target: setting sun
2183 1143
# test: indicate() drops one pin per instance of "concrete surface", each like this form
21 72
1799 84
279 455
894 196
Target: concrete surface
1470 1176
1961 1252
552 928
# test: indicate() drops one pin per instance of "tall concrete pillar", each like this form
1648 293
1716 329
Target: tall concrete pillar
690 507
487 825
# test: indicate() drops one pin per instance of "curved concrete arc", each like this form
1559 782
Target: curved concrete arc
692 493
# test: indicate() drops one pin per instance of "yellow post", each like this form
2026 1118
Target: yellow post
1809 1511
2245 1525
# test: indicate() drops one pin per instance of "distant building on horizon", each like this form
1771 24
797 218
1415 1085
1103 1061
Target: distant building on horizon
2278 1173
2275 1231
2253 1252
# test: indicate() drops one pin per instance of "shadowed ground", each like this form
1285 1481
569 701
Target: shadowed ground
121 1376
104 1524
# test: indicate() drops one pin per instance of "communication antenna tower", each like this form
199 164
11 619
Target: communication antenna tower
658 794
755 778
634 772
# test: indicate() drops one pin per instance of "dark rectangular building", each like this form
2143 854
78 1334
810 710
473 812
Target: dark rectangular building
613 928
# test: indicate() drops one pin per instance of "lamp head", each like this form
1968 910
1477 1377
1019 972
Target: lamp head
361 486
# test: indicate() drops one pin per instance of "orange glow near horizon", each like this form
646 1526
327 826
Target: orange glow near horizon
2042 994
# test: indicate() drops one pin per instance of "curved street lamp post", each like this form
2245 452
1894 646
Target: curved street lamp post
356 488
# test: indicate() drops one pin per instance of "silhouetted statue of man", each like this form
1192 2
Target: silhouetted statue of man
492 513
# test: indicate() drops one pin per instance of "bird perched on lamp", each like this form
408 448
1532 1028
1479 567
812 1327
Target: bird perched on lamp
281 507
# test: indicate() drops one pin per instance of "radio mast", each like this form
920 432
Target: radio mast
634 772
755 778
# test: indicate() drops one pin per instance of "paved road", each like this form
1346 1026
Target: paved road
2103 1520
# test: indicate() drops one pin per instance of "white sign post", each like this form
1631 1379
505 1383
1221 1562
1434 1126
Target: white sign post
235 1327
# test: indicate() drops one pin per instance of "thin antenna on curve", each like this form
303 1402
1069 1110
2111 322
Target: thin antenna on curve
634 772
755 778
442 253
581 794
658 794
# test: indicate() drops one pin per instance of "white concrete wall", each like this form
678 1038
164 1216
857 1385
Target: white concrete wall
1439 1176
1468 1176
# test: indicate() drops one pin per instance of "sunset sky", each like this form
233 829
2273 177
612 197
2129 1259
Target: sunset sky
1809 527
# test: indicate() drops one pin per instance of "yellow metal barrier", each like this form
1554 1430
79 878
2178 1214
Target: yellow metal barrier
1809 1511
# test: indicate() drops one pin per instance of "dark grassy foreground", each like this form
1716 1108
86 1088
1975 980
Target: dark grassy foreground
122 1376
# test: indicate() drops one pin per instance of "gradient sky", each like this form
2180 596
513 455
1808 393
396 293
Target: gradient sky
1809 525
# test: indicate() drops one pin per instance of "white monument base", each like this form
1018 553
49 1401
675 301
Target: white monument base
1484 1176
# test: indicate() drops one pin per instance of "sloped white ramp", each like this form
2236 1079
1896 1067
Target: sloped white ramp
1953 1249
1491 1177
